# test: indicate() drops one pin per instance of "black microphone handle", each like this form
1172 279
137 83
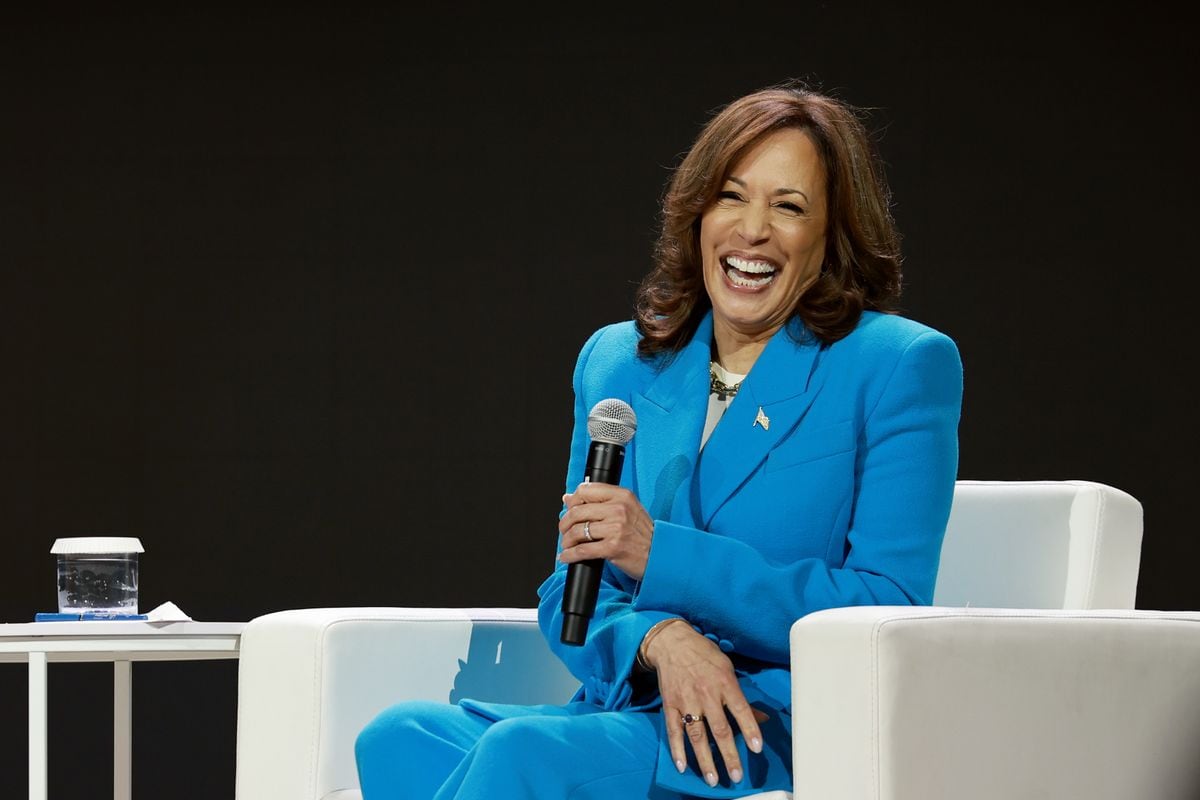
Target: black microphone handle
604 463
583 577
583 587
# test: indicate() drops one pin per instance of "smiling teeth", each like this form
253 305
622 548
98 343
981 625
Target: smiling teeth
757 267
738 271
739 280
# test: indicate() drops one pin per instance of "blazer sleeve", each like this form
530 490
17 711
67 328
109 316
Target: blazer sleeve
604 663
905 471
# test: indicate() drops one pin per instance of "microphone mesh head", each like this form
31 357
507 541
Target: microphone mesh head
612 421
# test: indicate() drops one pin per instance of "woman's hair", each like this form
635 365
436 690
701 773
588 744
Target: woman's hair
861 269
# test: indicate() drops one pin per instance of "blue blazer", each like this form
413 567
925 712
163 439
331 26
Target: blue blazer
841 498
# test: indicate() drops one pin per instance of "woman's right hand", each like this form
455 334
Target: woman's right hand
696 678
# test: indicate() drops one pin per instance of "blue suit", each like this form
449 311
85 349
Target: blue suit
837 495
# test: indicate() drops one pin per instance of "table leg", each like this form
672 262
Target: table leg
122 729
37 726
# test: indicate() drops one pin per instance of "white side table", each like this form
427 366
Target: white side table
122 643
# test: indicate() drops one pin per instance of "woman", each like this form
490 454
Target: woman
796 450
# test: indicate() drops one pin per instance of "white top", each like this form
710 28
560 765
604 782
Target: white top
96 544
717 406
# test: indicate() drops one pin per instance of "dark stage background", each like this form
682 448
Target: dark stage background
294 296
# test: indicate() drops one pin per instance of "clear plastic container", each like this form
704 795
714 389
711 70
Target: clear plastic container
97 574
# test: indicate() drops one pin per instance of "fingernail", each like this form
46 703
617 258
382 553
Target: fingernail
710 778
735 775
756 744
679 765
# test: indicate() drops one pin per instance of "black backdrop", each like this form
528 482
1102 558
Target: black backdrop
294 296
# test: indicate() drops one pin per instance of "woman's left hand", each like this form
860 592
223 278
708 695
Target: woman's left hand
609 522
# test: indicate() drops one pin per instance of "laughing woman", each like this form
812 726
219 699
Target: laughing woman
796 450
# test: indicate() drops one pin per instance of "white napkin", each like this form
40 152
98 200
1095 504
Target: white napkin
167 612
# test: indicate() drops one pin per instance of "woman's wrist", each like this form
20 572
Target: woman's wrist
643 649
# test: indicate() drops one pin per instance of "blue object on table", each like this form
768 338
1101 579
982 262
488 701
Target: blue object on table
51 616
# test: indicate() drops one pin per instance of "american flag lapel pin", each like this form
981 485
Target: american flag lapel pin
762 419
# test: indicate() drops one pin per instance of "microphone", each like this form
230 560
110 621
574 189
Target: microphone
611 424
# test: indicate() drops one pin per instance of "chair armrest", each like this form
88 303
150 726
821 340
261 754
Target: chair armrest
309 680
897 703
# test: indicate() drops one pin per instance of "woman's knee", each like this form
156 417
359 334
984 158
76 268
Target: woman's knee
412 744
517 738
406 727
562 756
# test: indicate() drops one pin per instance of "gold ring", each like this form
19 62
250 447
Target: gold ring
587 531
688 719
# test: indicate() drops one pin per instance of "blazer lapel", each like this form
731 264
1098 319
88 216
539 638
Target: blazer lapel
670 418
772 400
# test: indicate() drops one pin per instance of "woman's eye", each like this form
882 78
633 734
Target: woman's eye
728 195
790 208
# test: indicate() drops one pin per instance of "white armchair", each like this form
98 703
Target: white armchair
972 698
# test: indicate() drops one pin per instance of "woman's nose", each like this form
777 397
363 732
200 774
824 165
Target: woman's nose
753 225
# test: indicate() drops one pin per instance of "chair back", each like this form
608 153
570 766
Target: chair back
1040 544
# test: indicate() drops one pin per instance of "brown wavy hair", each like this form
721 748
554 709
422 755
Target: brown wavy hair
861 269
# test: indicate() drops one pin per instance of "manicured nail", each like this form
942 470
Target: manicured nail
710 778
756 744
735 775
679 765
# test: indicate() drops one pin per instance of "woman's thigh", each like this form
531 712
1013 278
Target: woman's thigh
410 748
576 752
564 755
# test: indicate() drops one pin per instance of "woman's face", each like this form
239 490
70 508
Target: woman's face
763 239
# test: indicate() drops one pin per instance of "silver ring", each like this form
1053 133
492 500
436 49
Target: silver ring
587 531
688 719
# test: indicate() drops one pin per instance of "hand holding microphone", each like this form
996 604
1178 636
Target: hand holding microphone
603 521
